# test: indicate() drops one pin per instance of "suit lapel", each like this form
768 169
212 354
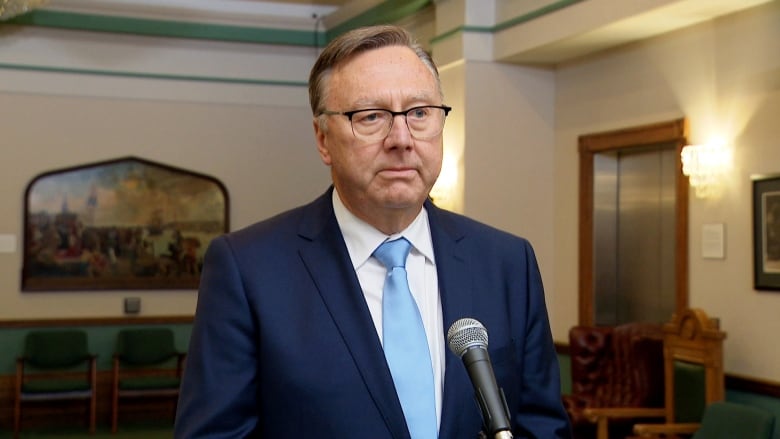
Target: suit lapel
455 286
327 261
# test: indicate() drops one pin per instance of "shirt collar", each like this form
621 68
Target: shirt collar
362 238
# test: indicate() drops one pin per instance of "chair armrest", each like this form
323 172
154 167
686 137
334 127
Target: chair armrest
656 430
602 415
595 413
92 358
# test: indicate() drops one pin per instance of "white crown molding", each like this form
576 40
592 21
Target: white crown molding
226 12
349 11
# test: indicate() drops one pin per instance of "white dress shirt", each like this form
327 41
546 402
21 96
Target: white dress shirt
362 239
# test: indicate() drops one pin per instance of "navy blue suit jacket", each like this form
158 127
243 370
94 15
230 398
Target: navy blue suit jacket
283 344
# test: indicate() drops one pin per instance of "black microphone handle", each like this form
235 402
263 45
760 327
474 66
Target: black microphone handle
489 397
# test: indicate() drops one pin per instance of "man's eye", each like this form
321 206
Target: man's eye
418 113
368 116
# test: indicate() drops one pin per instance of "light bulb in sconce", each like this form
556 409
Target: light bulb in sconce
706 166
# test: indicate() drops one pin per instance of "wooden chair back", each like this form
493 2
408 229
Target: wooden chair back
693 339
146 364
693 372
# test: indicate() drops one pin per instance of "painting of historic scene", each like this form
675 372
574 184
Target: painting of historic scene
121 224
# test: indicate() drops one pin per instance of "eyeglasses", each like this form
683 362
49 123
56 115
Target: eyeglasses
374 124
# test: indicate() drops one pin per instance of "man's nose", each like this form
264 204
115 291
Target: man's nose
399 134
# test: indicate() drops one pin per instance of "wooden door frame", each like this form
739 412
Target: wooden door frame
674 131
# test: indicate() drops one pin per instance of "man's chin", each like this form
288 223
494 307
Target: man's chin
401 195
407 201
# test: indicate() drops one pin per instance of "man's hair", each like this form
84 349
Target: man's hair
353 43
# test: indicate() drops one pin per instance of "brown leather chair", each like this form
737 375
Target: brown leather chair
614 368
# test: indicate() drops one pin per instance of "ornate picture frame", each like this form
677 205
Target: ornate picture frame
127 223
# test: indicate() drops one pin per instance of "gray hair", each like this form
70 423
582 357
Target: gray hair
355 42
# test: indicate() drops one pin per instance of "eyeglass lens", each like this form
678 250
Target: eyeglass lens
423 123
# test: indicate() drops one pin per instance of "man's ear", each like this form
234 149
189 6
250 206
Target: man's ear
322 148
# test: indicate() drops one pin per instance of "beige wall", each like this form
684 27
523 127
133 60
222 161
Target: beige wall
723 74
256 139
501 132
509 156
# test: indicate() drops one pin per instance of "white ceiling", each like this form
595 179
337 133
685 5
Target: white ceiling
594 25
576 30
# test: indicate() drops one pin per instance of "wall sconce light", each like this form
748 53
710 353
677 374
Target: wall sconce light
12 8
444 191
705 165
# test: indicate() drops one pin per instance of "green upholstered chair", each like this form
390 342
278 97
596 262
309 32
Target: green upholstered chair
56 366
693 374
146 364
689 391
728 420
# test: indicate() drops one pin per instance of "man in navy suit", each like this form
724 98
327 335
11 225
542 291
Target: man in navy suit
287 337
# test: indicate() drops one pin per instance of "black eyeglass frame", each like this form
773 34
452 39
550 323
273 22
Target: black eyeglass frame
349 114
403 113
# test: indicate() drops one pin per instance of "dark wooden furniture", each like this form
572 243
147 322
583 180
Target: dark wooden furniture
146 365
693 365
56 366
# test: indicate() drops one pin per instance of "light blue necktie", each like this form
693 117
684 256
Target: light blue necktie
405 343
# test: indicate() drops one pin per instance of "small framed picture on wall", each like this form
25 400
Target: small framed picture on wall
766 232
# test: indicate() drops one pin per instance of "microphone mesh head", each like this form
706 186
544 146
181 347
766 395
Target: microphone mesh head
466 333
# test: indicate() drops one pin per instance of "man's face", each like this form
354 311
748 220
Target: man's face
397 172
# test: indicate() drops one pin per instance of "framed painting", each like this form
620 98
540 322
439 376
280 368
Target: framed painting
120 224
766 232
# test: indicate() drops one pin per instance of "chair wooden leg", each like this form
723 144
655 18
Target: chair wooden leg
18 397
92 414
93 394
114 412
17 417
175 407
114 394
602 428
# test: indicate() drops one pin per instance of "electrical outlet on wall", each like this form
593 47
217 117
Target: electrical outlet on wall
132 305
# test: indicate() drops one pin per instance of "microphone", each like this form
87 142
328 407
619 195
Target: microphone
468 339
